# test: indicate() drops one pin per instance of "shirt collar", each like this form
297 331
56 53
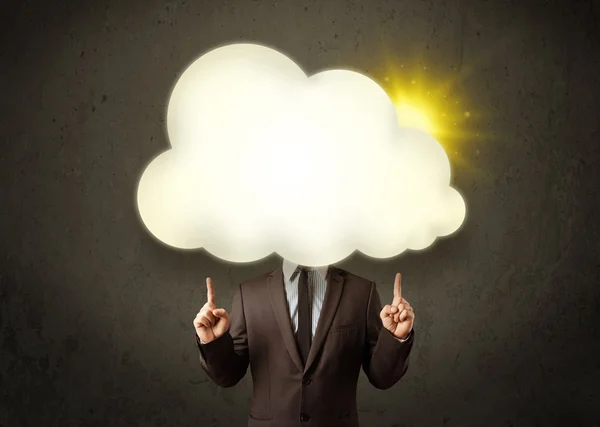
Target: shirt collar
289 268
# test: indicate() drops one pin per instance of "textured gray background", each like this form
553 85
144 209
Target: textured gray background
96 316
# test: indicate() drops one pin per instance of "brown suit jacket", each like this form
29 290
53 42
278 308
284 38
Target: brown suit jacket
286 393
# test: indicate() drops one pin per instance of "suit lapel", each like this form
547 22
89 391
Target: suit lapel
282 314
333 293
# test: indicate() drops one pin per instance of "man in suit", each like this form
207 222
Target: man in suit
305 333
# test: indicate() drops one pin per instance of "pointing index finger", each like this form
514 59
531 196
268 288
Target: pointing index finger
398 287
210 290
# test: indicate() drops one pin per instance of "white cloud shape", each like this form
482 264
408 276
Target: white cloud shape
265 159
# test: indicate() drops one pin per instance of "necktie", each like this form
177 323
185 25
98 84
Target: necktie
304 320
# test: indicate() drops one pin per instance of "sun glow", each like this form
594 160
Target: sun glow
427 102
411 116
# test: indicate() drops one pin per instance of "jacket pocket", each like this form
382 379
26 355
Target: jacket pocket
346 415
260 417
351 327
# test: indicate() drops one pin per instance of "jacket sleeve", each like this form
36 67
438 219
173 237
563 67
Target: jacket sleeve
386 358
225 360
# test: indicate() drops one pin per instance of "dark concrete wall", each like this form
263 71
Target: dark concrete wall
96 316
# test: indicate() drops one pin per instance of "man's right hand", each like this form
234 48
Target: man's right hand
211 322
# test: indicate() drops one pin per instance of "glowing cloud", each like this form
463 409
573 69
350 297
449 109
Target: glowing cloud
265 159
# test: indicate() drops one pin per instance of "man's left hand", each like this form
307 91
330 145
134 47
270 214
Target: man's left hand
398 318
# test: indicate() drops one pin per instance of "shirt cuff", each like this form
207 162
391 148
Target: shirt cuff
407 337
198 339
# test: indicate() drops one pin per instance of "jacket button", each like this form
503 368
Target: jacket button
304 418
306 381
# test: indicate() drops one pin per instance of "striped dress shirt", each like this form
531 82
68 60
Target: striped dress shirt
317 284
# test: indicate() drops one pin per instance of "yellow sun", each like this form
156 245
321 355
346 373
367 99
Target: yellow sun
428 103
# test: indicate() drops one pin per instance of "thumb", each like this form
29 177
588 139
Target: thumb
387 311
220 313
